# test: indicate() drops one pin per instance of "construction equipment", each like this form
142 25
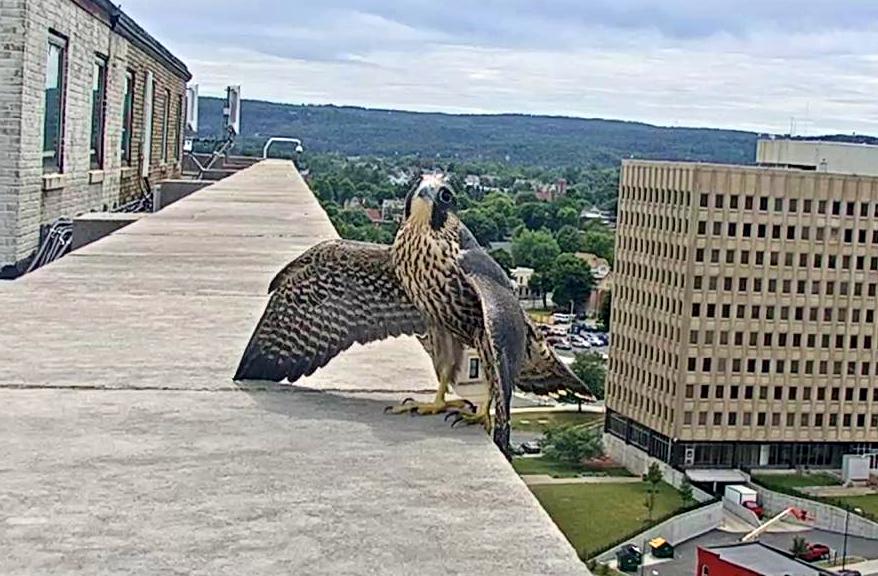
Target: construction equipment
797 513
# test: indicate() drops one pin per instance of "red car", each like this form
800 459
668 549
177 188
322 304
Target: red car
815 552
755 507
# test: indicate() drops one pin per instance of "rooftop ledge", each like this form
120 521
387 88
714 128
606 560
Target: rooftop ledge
128 449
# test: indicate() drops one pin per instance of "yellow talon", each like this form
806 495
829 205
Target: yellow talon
480 417
409 406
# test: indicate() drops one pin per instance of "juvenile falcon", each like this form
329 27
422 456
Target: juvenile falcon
435 281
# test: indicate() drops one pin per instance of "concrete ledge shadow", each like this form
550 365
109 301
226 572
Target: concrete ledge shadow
294 401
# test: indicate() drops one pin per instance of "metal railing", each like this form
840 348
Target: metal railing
275 139
55 244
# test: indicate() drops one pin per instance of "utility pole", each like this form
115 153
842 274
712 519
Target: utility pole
844 549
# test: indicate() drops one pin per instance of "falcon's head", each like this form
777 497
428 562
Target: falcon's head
430 201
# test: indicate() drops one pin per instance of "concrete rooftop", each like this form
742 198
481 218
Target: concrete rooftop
127 449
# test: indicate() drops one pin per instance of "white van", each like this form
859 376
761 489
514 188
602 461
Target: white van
562 318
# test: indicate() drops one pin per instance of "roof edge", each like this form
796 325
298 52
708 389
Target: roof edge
125 26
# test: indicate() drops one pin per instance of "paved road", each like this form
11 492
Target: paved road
685 558
127 449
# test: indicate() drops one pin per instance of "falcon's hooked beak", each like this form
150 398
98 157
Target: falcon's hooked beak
428 202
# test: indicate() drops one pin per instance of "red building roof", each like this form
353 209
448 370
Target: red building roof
752 559
374 215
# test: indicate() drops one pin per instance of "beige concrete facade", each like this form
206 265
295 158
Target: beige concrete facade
744 314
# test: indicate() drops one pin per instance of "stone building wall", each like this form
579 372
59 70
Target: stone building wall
30 199
12 27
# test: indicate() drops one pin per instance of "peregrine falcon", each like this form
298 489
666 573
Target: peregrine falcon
435 281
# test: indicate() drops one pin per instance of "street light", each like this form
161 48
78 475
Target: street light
844 550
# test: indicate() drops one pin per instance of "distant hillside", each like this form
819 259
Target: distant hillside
520 139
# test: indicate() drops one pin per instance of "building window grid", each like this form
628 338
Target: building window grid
799 313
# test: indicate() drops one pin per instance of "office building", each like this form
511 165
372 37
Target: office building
743 319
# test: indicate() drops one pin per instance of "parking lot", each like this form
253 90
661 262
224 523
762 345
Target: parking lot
685 557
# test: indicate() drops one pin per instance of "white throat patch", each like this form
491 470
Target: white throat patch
421 211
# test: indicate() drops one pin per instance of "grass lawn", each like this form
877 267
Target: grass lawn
539 421
868 503
545 466
838 562
595 515
794 480
555 469
543 315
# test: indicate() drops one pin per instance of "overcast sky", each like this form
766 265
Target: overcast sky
748 64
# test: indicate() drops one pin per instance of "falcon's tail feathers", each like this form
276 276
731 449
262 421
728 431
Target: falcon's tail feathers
546 375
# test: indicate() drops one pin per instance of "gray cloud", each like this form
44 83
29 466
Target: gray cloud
749 64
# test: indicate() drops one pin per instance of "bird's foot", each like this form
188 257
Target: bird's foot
469 418
409 406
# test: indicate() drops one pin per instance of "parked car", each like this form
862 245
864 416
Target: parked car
755 507
530 447
562 344
815 552
579 343
847 572
562 318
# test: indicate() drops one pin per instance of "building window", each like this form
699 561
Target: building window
53 116
473 368
179 140
98 100
127 117
166 125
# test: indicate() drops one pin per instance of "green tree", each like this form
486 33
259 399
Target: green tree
569 239
354 217
535 215
653 478
799 546
572 444
504 259
526 198
344 191
566 216
501 209
481 225
599 242
571 281
570 202
606 311
542 284
535 249
686 493
592 370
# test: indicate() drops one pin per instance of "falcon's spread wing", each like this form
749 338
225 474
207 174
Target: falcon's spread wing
336 293
543 373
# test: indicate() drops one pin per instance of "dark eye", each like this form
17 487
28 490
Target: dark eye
445 196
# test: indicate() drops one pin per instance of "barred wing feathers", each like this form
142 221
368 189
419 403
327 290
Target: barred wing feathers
336 293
